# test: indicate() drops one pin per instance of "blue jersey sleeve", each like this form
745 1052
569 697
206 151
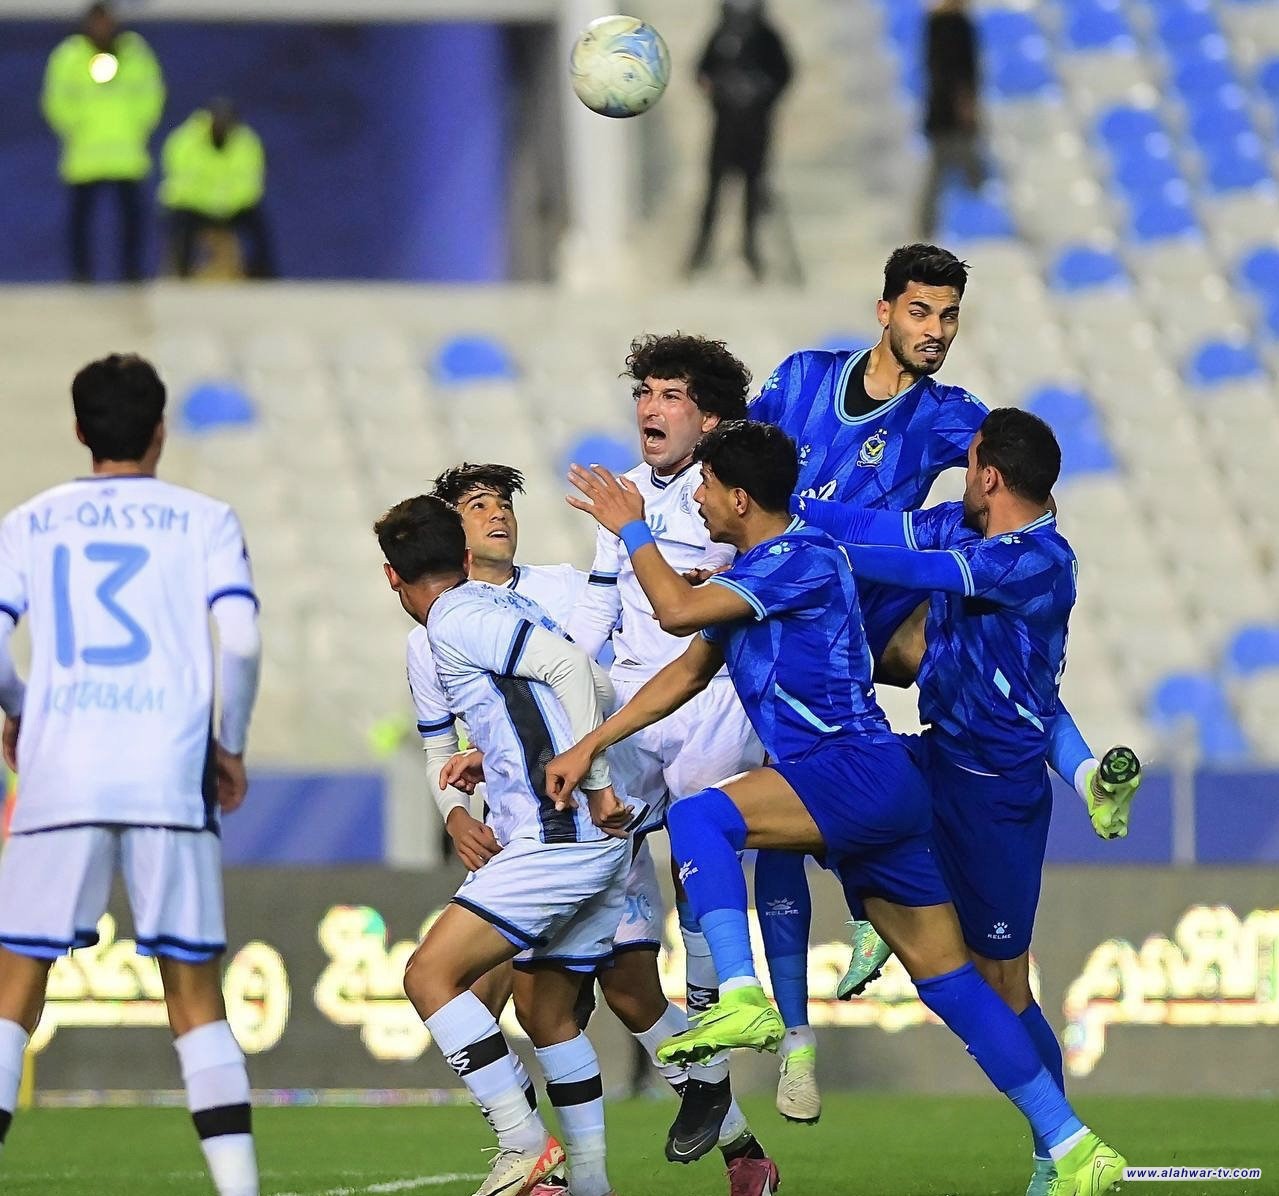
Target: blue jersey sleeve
909 568
788 576
770 404
1067 748
957 422
938 527
851 524
1011 571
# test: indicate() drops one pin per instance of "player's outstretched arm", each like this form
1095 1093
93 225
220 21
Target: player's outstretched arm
915 569
680 607
853 525
685 677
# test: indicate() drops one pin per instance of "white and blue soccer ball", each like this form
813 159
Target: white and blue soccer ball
620 66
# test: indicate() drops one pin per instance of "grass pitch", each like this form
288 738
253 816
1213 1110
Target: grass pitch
865 1146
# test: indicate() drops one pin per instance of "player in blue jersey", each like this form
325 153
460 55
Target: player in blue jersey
840 786
1003 582
875 428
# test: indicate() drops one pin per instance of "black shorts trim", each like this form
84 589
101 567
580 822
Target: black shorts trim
529 940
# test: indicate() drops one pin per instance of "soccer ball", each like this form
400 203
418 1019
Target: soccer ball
620 66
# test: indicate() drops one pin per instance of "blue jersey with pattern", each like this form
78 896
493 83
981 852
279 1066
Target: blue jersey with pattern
801 666
990 676
887 458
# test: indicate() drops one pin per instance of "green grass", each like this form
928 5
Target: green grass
865 1146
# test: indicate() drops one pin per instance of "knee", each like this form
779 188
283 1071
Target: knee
1010 980
545 1025
636 1006
429 983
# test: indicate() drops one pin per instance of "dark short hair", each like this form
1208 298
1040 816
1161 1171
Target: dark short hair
119 403
756 457
456 482
1024 450
422 537
927 264
717 381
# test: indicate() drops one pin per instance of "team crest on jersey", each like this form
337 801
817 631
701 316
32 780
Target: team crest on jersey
872 450
804 451
657 524
686 500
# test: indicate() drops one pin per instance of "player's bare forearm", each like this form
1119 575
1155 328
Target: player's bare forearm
664 693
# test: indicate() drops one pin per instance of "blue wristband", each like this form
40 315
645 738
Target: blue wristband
635 535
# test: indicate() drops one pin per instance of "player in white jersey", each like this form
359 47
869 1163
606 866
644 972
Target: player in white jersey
551 896
684 386
112 738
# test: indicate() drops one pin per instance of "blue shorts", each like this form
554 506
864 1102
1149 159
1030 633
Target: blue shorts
871 804
884 609
989 834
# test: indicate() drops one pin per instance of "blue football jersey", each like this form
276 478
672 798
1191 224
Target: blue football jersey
887 458
801 666
992 669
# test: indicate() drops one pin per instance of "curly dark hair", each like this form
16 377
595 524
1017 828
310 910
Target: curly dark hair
456 482
717 381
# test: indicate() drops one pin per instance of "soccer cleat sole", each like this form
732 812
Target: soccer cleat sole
1119 766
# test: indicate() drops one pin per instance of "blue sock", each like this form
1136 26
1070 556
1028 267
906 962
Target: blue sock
785 916
1041 1034
707 832
996 1038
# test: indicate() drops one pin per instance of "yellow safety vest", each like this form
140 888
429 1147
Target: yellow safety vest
199 177
104 127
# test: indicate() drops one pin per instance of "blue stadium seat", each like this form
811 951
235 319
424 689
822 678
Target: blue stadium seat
1098 25
1216 363
1198 74
1198 699
1179 22
1084 447
1025 73
211 405
1259 269
1124 126
1218 117
1163 216
1082 267
598 448
1145 174
1272 317
974 216
1004 31
1268 79
1253 649
472 359
1238 165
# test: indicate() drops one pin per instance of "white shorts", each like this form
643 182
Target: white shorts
54 886
705 741
559 902
645 910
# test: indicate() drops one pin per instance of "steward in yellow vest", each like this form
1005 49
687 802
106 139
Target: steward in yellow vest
103 95
214 175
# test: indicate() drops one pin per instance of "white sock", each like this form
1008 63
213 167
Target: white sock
1062 1149
797 1037
573 1085
523 1080
476 1050
217 1085
13 1043
733 983
673 1021
702 981
735 1125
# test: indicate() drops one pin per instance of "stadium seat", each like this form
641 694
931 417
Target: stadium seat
1218 117
1125 125
1163 216
1083 267
1079 430
969 216
1259 270
1219 362
1268 80
476 358
1182 22
1098 25
609 451
211 405
1238 164
1183 700
1253 649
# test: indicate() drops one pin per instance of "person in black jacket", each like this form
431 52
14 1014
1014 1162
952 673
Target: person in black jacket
744 69
951 112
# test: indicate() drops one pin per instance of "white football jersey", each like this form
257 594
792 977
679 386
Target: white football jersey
640 646
117 575
473 641
557 589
